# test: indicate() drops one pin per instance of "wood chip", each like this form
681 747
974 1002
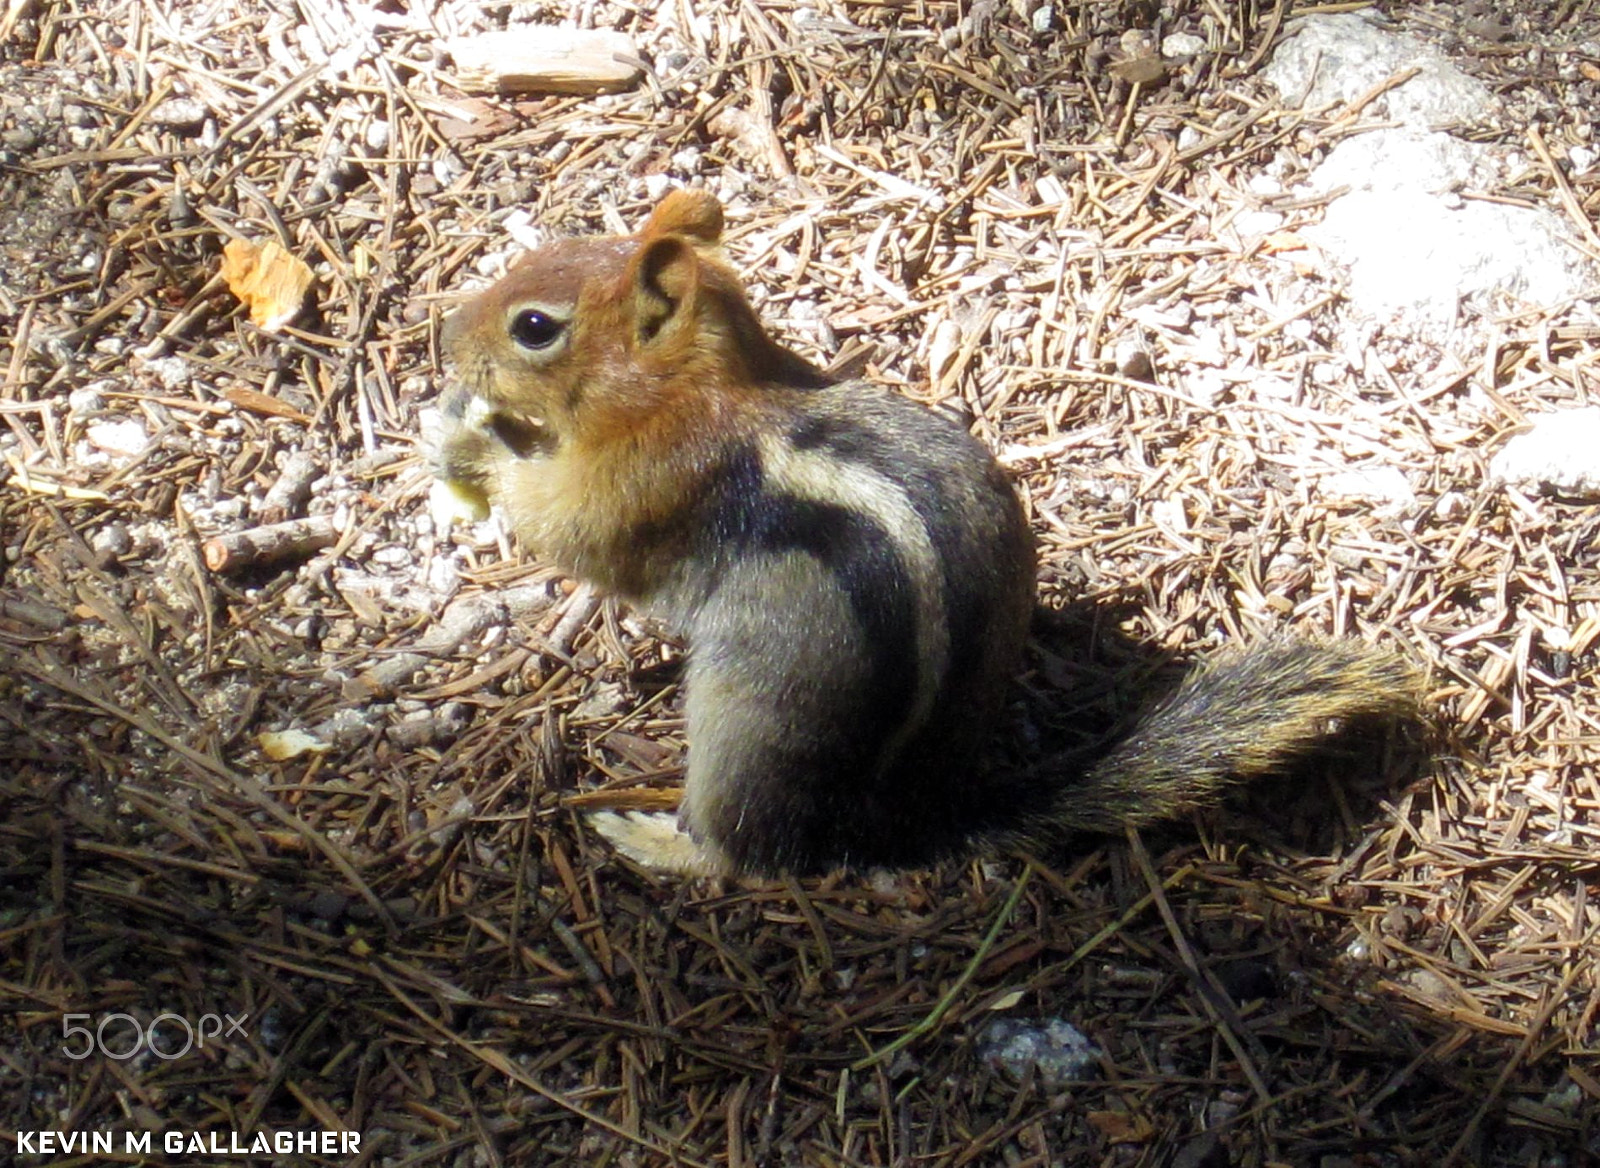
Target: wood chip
546 59
270 281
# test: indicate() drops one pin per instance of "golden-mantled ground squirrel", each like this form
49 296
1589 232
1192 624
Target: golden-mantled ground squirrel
853 572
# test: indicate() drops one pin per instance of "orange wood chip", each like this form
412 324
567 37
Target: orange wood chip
271 282
1120 1127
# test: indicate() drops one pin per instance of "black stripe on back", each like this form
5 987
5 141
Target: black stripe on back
917 471
746 516
847 439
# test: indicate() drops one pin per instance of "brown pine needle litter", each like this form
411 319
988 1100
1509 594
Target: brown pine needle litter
1021 212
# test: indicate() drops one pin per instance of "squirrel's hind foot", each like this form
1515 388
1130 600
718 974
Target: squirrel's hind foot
656 842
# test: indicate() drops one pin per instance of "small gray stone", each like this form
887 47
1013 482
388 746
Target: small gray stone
179 113
112 540
1181 45
1052 1048
1344 55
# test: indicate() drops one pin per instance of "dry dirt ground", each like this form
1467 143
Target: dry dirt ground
994 206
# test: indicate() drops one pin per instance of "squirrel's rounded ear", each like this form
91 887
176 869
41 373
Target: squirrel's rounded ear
696 214
665 276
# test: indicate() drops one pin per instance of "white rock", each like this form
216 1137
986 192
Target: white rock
443 577
391 556
181 113
1452 505
1403 160
1384 486
115 540
1182 44
1406 252
125 436
520 227
89 399
1413 248
445 170
656 185
1345 55
171 372
1560 454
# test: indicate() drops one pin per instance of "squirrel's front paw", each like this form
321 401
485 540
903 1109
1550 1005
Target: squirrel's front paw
655 841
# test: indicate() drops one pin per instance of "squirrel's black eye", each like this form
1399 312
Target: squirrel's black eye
533 329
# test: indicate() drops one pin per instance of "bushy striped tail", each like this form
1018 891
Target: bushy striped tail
1252 713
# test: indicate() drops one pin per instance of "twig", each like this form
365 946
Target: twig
465 618
258 547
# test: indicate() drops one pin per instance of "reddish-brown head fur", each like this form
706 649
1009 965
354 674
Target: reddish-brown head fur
597 338
602 380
